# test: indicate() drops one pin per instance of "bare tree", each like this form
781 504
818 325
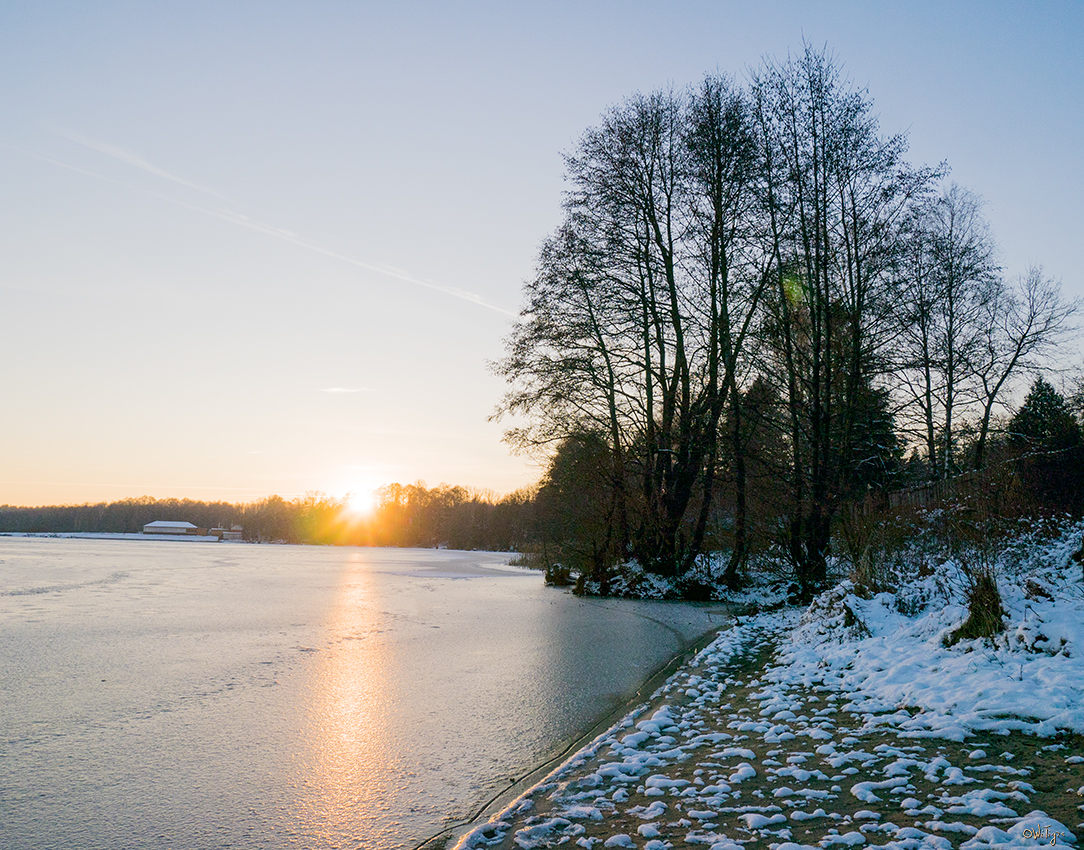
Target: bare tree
641 307
836 193
949 292
965 332
567 357
734 265
1020 325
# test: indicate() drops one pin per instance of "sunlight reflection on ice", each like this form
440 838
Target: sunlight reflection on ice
353 761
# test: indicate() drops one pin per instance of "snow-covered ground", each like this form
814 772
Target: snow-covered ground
848 723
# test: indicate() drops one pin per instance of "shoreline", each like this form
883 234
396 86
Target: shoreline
116 535
790 731
646 693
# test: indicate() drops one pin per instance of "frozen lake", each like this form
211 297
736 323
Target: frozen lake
180 694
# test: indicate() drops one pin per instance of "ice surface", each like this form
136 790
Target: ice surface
282 696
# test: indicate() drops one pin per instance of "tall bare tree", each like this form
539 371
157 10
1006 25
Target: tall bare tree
965 332
836 192
950 291
735 265
641 307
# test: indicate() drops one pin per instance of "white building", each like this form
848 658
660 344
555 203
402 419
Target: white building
163 526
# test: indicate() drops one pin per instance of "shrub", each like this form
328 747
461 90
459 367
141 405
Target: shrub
985 613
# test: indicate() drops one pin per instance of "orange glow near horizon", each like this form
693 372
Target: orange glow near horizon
361 502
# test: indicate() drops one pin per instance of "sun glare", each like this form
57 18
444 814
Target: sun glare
361 501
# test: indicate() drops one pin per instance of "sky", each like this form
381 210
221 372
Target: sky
266 247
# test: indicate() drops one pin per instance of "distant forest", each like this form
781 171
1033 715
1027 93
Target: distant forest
409 516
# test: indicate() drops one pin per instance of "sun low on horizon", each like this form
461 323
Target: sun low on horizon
361 502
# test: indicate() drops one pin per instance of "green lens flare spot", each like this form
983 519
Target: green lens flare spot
794 289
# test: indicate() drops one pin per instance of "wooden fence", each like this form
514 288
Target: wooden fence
925 495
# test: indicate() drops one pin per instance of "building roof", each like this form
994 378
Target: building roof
165 523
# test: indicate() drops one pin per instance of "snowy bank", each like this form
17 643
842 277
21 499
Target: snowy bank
845 724
888 652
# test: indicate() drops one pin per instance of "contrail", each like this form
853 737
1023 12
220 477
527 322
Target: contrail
135 160
242 220
389 271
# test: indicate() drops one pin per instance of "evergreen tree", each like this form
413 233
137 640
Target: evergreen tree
1047 440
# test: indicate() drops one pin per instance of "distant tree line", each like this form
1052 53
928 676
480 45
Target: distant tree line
124 516
410 516
450 516
756 313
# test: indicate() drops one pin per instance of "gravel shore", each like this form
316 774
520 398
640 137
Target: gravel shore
738 749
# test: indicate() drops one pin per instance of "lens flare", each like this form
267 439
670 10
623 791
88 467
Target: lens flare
361 501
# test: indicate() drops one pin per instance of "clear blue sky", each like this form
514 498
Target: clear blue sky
260 247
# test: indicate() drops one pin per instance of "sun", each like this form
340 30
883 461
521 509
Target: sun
361 501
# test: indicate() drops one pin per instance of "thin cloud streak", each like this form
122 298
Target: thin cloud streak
388 271
276 232
135 160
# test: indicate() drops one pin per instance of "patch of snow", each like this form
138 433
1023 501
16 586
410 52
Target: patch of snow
755 821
